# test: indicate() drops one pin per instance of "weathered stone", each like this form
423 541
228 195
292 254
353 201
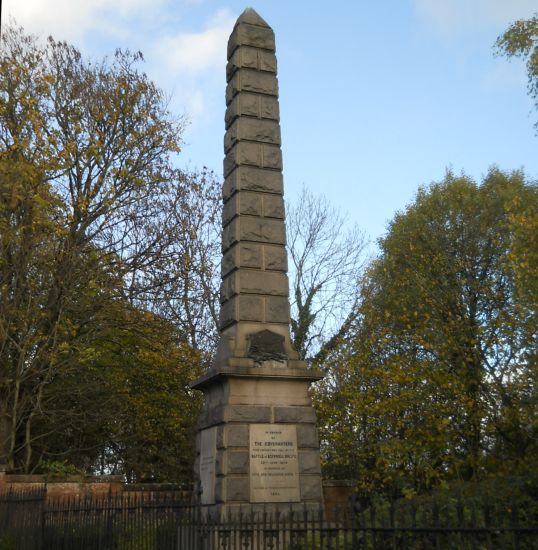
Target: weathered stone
250 308
246 203
251 35
248 178
235 435
229 235
228 287
229 261
219 490
295 414
242 255
252 129
253 154
252 105
237 462
273 206
309 462
263 282
275 258
250 255
246 57
271 157
237 489
311 488
269 108
219 460
227 314
277 310
262 230
248 413
307 436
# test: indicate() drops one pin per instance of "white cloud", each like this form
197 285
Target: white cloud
72 19
197 52
192 64
451 16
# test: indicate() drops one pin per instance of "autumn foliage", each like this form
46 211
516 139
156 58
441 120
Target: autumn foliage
438 381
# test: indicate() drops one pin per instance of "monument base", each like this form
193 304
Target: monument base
258 448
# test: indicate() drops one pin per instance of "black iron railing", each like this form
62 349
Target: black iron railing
30 521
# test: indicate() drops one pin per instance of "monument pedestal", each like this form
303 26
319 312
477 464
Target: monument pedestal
258 443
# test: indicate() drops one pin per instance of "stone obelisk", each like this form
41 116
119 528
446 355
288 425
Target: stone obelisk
257 441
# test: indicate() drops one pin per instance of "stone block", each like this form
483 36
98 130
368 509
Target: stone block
227 314
248 178
220 468
252 129
251 35
215 415
262 230
267 61
247 203
219 490
271 157
250 255
244 152
269 107
263 282
309 462
248 413
277 310
298 415
228 262
237 489
253 105
275 258
250 308
235 435
311 488
243 57
220 437
237 462
307 436
228 287
246 57
273 206
248 153
256 82
241 255
229 235
247 80
245 104
253 154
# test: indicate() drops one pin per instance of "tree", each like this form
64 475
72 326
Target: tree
128 406
185 281
438 382
84 155
327 257
521 40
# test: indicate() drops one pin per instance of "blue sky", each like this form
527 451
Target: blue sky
377 97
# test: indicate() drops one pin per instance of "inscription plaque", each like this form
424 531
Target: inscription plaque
274 465
208 452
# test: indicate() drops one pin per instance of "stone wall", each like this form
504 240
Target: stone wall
87 486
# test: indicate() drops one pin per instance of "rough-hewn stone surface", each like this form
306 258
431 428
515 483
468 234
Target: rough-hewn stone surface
295 414
254 238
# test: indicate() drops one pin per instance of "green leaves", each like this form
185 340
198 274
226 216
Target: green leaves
521 40
437 377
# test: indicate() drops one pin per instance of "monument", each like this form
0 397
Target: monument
257 441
